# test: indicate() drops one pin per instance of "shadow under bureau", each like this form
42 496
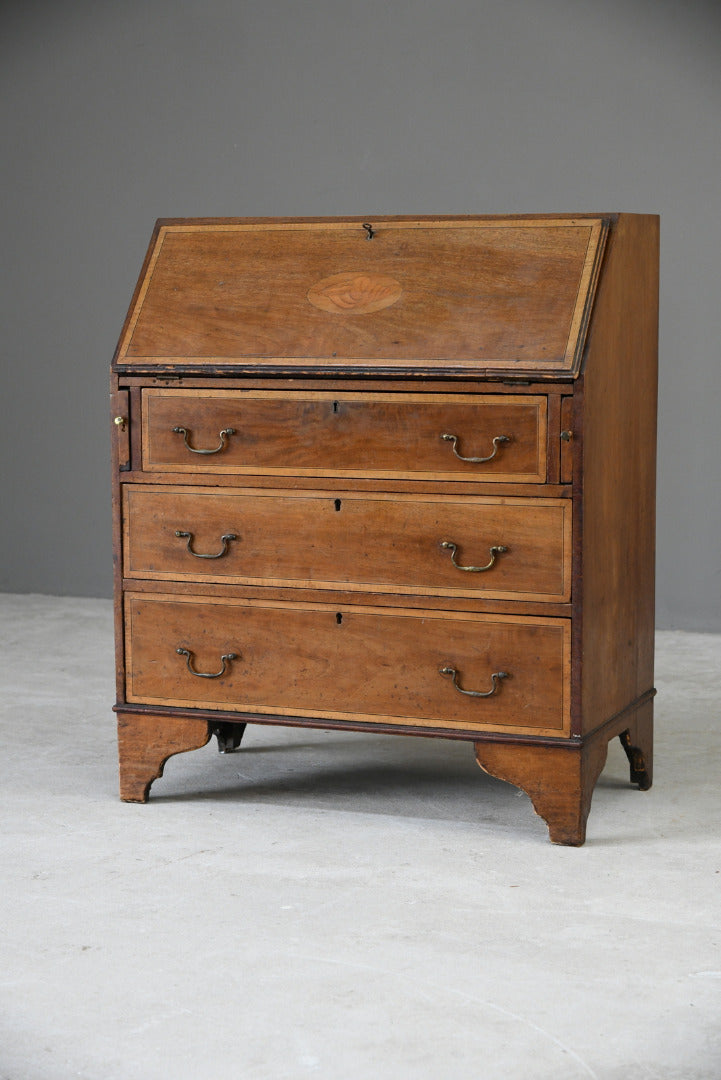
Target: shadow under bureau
392 475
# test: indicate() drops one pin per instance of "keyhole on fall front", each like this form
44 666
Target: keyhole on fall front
337 504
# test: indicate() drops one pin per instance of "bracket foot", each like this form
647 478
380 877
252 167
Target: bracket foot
559 780
637 741
229 736
146 742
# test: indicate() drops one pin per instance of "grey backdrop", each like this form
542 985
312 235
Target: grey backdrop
116 112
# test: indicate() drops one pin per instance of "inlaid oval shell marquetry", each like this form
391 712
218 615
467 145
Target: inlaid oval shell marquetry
354 293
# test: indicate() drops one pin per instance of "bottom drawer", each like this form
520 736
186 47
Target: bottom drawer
374 665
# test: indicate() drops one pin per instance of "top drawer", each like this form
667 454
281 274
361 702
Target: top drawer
479 437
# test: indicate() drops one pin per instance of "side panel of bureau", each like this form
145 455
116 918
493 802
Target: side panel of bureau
615 476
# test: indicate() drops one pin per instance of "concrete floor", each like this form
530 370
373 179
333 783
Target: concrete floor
344 906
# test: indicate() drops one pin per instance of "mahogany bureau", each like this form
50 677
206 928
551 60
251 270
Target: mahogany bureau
392 475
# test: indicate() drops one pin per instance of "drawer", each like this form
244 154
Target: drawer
411 436
434 544
360 665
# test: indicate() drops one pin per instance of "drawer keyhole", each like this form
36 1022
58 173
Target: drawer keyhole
338 617
337 504
335 406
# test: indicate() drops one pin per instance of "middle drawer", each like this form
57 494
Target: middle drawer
505 548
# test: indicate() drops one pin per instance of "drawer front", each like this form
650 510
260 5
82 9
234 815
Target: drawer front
412 436
359 665
431 544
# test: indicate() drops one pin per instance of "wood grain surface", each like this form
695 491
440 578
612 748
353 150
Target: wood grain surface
346 434
480 293
349 540
364 664
616 558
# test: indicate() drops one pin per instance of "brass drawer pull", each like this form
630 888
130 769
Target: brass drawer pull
224 434
225 540
225 658
495 680
498 441
497 549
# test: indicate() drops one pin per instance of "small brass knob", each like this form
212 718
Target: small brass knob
566 436
120 422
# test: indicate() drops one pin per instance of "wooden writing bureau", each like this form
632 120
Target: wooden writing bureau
393 476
